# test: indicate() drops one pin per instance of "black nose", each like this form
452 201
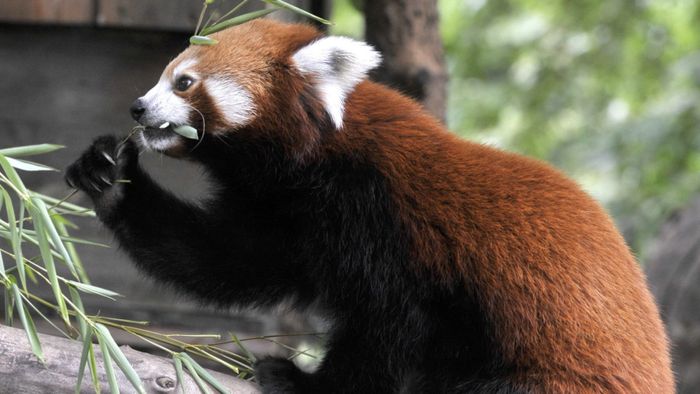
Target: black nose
137 109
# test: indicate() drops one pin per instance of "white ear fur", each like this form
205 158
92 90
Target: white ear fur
337 64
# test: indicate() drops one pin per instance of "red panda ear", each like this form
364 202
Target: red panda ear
336 65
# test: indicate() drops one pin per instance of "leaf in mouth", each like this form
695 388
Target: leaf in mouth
186 131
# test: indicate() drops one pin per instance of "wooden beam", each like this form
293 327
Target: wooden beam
47 11
177 15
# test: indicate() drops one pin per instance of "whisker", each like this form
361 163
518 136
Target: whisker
204 127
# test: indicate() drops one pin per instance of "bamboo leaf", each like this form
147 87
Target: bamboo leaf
186 131
73 240
11 174
85 288
202 40
109 368
93 371
2 267
17 246
26 165
178 372
204 374
15 238
47 257
78 302
28 324
193 372
238 342
236 20
9 300
297 10
30 273
30 150
87 344
62 204
120 359
70 246
49 227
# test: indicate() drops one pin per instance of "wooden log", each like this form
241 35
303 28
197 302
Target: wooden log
21 372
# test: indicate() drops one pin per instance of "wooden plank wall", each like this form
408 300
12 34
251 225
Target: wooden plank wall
174 15
65 11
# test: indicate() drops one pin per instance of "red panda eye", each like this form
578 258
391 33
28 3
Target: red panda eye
183 83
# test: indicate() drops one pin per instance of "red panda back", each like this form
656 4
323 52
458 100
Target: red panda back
560 290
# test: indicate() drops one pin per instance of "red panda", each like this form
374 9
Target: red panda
441 265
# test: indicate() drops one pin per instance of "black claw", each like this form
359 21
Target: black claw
105 180
70 183
94 186
109 158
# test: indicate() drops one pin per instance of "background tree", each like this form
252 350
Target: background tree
407 34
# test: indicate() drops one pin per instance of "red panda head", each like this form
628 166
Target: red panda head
264 78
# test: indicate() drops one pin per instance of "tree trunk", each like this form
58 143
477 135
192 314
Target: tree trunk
407 33
673 269
22 373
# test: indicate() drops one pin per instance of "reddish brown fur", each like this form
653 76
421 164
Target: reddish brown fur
563 297
256 55
567 301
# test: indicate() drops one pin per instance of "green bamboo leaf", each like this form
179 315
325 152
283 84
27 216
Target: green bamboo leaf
27 165
78 302
60 219
69 241
9 301
109 368
85 288
47 257
247 352
70 246
17 244
297 10
93 371
201 40
30 274
15 238
186 131
87 344
204 374
28 324
178 372
193 372
49 227
120 359
2 268
237 20
30 150
62 204
11 174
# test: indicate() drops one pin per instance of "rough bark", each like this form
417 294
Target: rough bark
21 372
407 33
673 269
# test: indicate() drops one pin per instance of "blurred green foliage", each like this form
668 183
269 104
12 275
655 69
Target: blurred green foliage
606 90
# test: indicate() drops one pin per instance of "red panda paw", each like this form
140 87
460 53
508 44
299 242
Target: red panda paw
103 170
279 376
